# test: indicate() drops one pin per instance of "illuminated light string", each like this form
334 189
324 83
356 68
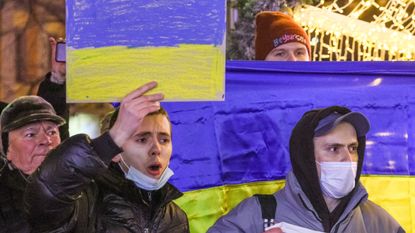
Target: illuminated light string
339 37
396 11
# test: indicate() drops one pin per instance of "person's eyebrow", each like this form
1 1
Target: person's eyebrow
142 134
334 144
301 48
354 144
31 127
51 126
164 134
147 133
340 144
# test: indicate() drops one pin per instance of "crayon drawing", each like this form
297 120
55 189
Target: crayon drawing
114 46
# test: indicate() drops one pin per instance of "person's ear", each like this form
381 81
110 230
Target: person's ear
116 158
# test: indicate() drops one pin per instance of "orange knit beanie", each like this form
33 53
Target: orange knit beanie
273 29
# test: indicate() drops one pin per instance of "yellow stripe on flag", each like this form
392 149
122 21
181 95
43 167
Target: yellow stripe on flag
396 194
185 72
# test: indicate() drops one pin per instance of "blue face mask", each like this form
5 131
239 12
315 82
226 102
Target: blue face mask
145 182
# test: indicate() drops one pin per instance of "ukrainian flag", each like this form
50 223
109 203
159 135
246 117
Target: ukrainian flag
226 151
115 46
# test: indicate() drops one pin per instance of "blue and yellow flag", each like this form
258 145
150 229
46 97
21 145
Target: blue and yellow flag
115 46
226 151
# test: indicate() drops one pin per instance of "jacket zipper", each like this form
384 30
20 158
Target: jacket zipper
149 224
149 197
338 223
306 207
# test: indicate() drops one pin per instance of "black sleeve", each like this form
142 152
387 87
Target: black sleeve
52 193
55 94
105 147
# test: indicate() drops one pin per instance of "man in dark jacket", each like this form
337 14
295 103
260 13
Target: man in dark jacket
53 89
323 192
114 183
29 129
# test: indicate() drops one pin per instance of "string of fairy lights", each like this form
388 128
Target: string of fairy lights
337 36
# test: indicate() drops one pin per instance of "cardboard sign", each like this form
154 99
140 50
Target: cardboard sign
115 46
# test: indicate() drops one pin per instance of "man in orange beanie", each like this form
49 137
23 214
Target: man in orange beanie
279 38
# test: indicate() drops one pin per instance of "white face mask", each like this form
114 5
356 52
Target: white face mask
337 179
143 181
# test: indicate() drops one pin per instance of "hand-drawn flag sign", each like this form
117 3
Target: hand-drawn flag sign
114 46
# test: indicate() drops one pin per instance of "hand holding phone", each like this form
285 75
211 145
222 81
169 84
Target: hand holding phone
60 55
57 60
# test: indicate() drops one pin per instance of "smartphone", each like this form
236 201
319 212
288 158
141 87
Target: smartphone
60 55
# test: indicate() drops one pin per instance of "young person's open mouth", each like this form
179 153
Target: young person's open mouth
154 169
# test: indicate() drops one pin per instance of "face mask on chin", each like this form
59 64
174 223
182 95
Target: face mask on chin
337 179
145 182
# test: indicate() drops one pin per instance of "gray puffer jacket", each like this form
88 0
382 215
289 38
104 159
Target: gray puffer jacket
293 207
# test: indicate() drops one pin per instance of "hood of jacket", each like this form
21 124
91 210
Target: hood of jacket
304 165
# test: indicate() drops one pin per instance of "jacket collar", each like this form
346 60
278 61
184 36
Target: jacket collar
298 197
